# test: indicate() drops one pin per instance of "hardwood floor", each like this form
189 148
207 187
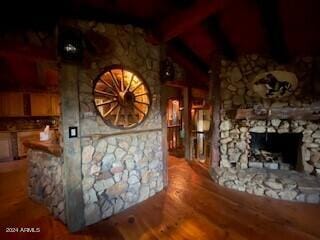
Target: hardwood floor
192 207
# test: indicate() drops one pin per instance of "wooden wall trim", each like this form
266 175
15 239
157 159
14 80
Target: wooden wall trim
102 135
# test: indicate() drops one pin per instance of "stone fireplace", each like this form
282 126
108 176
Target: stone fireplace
275 150
296 142
275 154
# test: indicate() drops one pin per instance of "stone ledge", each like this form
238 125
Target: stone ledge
279 184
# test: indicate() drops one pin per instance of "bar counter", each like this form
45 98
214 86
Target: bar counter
46 146
45 176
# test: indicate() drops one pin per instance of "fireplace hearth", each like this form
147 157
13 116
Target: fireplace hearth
275 150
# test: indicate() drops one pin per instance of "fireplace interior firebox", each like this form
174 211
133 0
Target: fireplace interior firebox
275 150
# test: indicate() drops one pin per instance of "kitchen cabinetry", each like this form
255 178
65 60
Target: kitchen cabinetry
18 104
55 104
11 104
40 104
44 104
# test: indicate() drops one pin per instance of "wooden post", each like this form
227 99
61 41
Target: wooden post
163 109
187 123
216 104
71 148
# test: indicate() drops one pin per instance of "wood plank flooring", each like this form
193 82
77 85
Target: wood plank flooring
192 207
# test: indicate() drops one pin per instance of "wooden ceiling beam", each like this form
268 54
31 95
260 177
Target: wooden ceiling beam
272 24
186 52
220 38
196 69
180 22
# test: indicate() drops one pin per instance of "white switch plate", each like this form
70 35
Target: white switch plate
73 132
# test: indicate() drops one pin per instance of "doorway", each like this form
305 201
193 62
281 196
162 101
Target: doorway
188 115
175 127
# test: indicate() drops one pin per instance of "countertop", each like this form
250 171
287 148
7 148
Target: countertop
46 146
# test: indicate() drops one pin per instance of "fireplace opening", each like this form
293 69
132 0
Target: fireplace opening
275 151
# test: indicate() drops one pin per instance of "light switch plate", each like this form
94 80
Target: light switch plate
73 132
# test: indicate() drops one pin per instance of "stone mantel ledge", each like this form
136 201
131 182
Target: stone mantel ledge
278 184
46 146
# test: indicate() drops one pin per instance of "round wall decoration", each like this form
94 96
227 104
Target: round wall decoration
121 97
275 84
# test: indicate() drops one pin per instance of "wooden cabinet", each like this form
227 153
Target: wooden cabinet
40 104
18 104
55 104
11 104
44 104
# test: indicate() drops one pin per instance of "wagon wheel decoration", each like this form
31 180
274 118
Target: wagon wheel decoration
121 97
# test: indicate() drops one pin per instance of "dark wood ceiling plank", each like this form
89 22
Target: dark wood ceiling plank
195 75
188 53
272 23
200 42
300 23
215 31
180 22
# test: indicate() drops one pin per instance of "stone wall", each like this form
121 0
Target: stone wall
45 181
126 46
236 92
120 167
120 171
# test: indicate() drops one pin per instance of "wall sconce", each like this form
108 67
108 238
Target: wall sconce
167 70
70 45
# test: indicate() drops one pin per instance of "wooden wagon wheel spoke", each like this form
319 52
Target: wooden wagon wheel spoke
141 94
129 85
110 110
122 80
139 110
106 103
116 94
108 85
126 119
137 87
115 81
133 114
117 116
103 93
141 102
